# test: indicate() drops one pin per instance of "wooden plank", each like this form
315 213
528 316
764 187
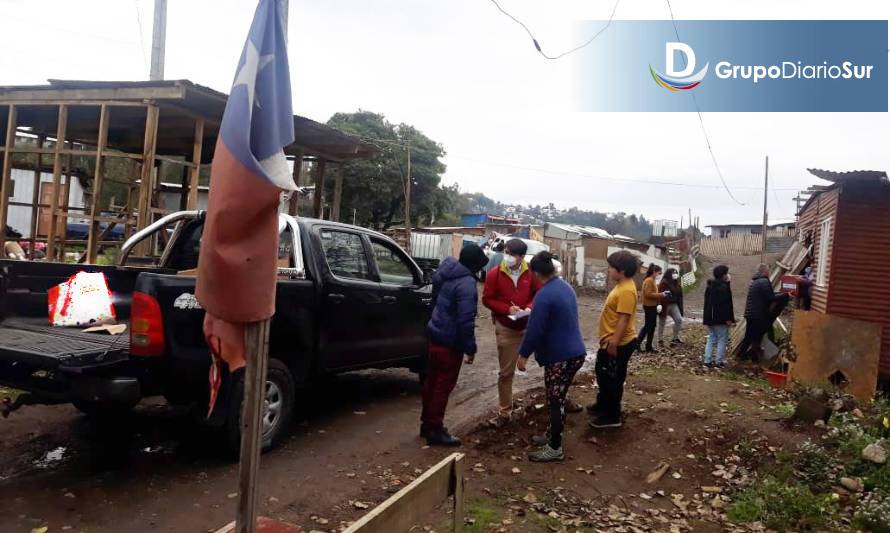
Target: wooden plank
458 480
294 201
318 200
97 184
71 103
195 169
61 132
148 158
35 194
66 196
7 169
96 95
412 504
256 339
338 194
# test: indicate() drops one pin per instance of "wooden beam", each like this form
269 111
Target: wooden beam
195 170
294 202
98 96
338 193
318 203
35 195
148 157
97 185
66 196
61 130
7 170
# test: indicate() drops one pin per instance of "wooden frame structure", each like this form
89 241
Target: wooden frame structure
174 122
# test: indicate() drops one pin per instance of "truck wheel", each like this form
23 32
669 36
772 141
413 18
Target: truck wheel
103 409
278 409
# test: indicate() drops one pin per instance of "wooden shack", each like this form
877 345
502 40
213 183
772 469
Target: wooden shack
848 226
79 127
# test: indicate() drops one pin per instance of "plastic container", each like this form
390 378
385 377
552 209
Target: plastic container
776 379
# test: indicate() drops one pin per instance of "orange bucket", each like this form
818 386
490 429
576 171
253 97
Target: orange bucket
776 379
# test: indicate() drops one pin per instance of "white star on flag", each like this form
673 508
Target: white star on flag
253 63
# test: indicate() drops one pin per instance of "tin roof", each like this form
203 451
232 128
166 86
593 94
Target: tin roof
840 178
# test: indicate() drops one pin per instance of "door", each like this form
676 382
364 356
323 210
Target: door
408 301
43 213
353 318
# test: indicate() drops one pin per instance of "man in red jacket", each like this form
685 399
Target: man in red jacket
510 288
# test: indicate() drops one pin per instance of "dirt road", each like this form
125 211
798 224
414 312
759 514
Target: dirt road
158 471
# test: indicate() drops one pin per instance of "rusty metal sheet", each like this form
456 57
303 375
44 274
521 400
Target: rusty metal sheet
827 344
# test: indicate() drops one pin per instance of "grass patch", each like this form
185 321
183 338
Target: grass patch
782 506
785 410
482 515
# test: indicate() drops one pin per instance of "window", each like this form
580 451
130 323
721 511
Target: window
345 254
392 265
824 239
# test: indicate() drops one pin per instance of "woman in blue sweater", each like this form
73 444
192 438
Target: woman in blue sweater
554 336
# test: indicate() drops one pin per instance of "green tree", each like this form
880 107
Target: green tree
375 187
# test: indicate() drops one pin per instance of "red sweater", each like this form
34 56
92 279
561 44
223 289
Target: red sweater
501 293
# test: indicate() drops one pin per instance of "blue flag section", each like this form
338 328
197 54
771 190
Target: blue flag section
729 65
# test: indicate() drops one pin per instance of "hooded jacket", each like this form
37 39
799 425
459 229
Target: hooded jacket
718 304
454 303
760 296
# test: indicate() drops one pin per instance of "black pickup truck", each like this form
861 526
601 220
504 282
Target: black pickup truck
347 299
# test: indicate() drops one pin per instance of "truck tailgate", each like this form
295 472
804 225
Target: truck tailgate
40 345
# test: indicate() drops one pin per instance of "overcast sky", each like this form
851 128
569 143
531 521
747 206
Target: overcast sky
470 78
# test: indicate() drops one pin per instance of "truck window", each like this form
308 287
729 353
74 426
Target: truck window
392 265
345 254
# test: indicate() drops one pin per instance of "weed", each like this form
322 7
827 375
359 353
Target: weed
785 409
782 506
814 467
481 516
873 513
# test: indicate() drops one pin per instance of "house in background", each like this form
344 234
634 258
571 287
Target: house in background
665 228
848 226
721 231
22 196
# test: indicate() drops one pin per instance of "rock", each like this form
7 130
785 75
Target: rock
857 413
530 498
711 490
819 423
875 453
809 409
359 505
658 473
852 484
516 470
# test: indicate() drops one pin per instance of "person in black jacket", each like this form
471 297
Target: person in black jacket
757 313
452 338
672 305
718 315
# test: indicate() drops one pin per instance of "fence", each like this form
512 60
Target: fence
745 244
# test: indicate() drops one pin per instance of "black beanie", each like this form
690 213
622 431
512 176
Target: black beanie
473 257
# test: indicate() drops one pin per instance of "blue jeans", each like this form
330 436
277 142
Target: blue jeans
718 334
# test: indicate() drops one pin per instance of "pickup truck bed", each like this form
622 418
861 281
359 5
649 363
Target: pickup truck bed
33 341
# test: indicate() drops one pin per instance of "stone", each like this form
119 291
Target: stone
809 409
852 484
875 453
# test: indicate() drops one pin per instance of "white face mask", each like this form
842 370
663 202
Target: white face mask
728 278
510 261
675 276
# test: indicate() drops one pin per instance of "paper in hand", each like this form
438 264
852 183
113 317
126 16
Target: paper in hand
522 313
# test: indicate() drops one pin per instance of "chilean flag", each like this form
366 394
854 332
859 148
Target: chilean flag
237 266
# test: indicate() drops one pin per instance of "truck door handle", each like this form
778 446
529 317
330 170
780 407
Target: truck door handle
389 299
336 298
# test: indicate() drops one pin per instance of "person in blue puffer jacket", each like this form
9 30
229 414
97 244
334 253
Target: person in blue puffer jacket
451 332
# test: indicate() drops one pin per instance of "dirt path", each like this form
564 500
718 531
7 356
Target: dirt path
741 268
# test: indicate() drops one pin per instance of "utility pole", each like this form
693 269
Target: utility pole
765 189
408 203
158 40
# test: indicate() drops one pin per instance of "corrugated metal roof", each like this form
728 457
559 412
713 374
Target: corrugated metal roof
759 223
836 177
588 231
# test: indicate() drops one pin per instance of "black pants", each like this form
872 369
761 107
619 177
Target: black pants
648 331
610 375
754 330
557 380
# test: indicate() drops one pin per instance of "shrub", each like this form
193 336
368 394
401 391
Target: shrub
814 467
873 512
781 506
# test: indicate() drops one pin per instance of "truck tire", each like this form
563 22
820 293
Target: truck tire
103 409
279 407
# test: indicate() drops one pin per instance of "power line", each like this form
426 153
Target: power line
567 52
701 121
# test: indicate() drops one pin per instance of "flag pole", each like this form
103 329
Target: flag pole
256 342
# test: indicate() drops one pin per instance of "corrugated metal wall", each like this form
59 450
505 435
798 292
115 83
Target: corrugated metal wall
810 226
860 282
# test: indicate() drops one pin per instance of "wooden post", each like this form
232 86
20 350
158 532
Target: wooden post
7 169
61 133
765 189
256 341
99 175
148 159
338 194
66 196
318 202
196 160
35 195
294 202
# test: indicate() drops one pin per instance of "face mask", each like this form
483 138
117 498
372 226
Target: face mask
510 261
675 276
728 278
